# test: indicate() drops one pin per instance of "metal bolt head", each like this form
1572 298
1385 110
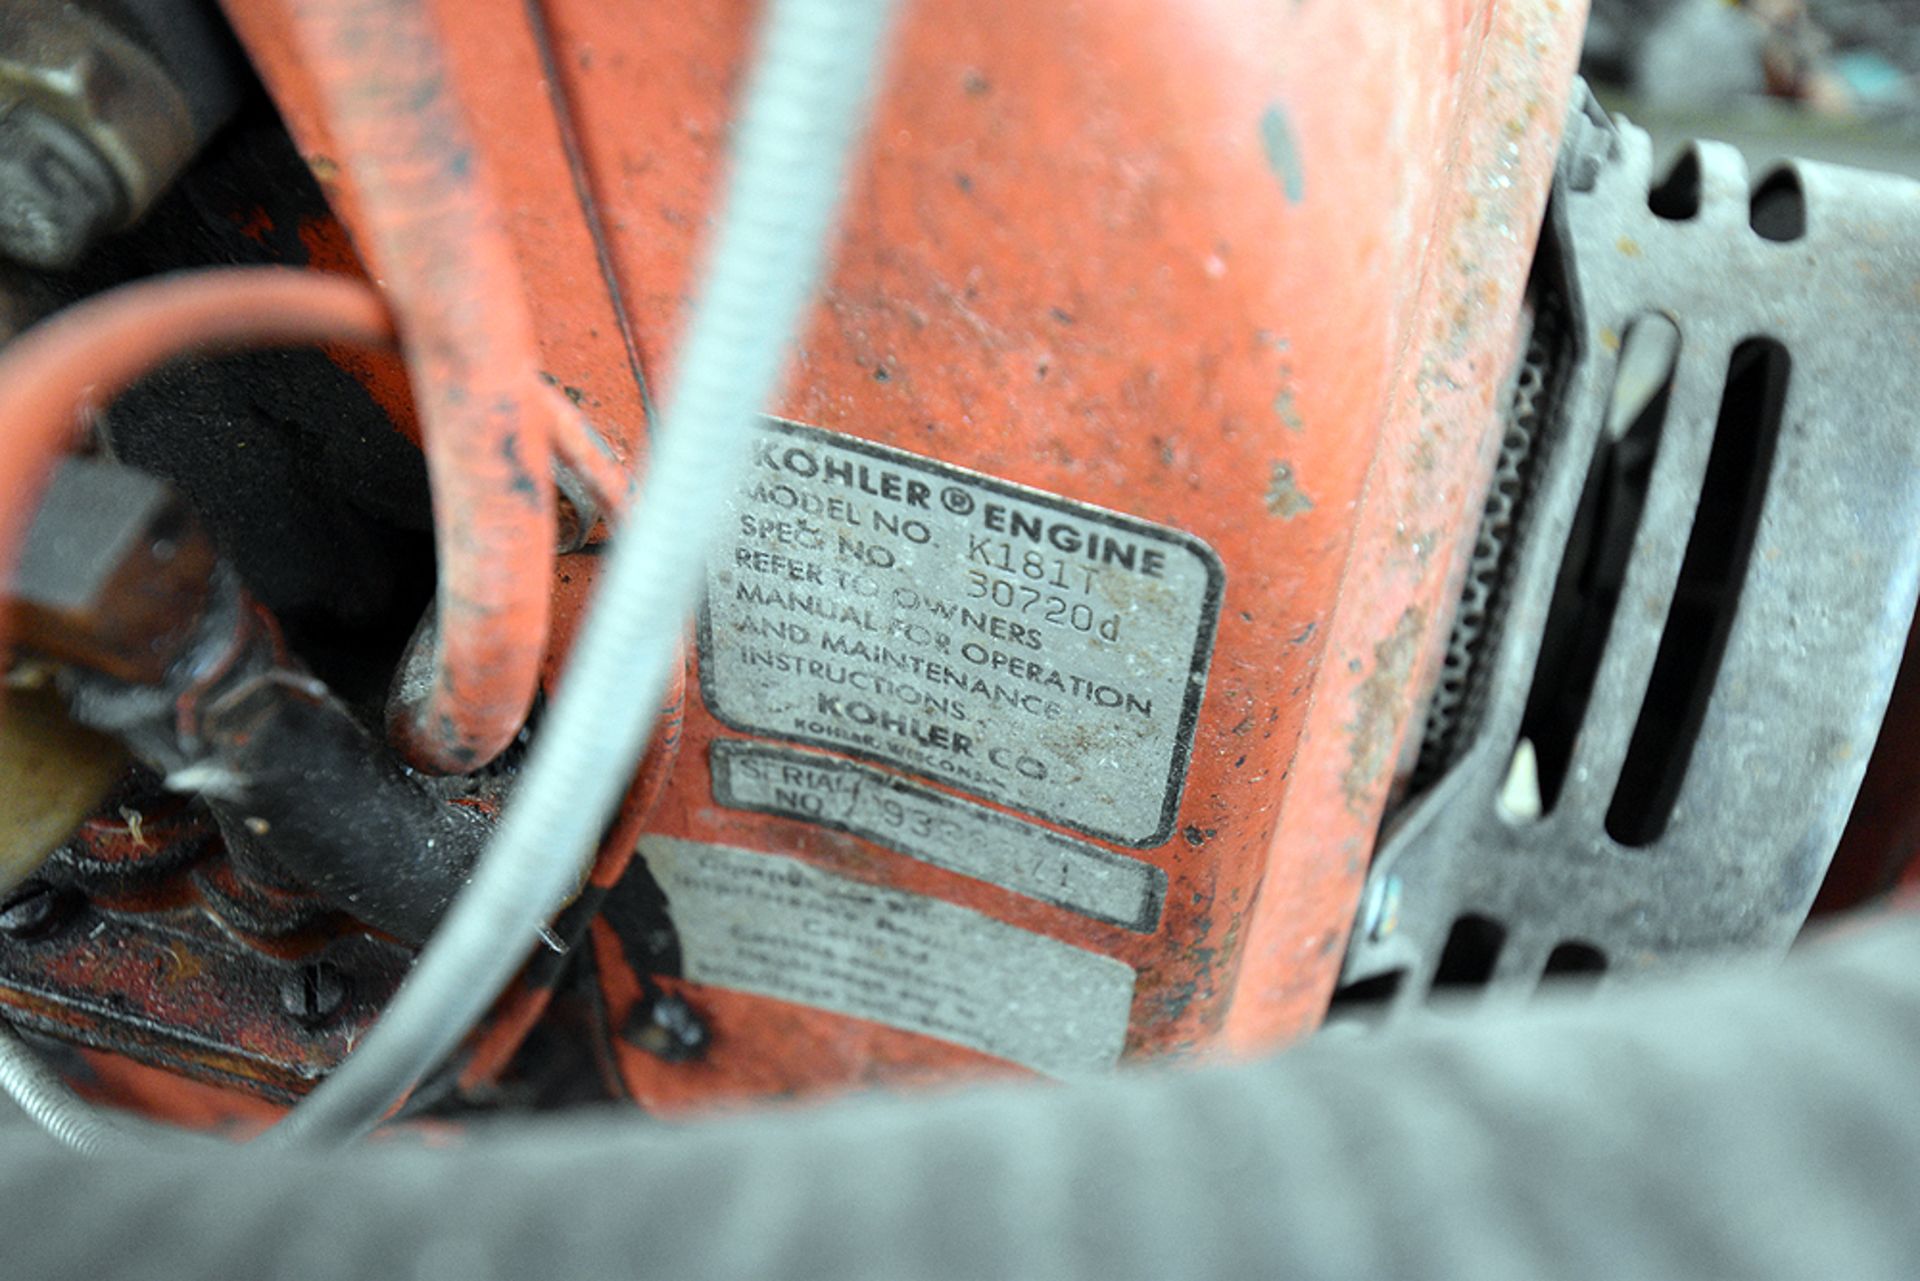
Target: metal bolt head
92 128
34 910
89 588
667 1028
57 192
312 995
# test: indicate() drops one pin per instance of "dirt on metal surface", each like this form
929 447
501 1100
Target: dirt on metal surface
1130 254
1414 528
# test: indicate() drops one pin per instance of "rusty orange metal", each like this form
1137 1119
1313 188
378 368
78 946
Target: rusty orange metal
1437 434
1251 270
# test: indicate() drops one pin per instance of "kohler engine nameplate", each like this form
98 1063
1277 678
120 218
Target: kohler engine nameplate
1036 651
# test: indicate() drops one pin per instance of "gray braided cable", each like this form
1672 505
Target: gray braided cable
38 1091
804 106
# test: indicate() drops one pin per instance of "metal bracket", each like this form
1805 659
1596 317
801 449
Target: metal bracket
1738 418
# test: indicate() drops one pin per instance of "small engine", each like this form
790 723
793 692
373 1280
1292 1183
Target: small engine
1218 540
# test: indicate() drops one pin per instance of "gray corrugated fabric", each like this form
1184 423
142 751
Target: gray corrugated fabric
1742 1126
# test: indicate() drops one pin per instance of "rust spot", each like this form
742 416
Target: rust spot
1171 1002
1285 498
1426 454
1379 703
1629 246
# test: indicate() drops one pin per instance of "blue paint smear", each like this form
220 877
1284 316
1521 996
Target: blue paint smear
1277 138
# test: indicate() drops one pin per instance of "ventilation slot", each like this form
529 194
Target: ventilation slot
1706 596
1779 209
1575 961
1366 1002
1677 198
1473 949
1594 566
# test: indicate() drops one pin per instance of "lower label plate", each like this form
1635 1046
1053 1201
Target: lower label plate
779 927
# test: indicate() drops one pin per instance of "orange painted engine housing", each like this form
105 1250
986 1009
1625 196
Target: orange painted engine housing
1246 269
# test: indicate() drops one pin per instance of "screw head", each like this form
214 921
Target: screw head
34 910
667 1028
312 995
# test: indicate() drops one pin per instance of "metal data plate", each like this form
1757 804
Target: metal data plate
1040 652
1719 844
779 927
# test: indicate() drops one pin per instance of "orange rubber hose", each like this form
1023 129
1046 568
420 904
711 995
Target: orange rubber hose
83 356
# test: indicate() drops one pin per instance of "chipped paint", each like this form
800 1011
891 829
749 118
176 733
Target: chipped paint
1276 138
1285 498
1288 411
1379 709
